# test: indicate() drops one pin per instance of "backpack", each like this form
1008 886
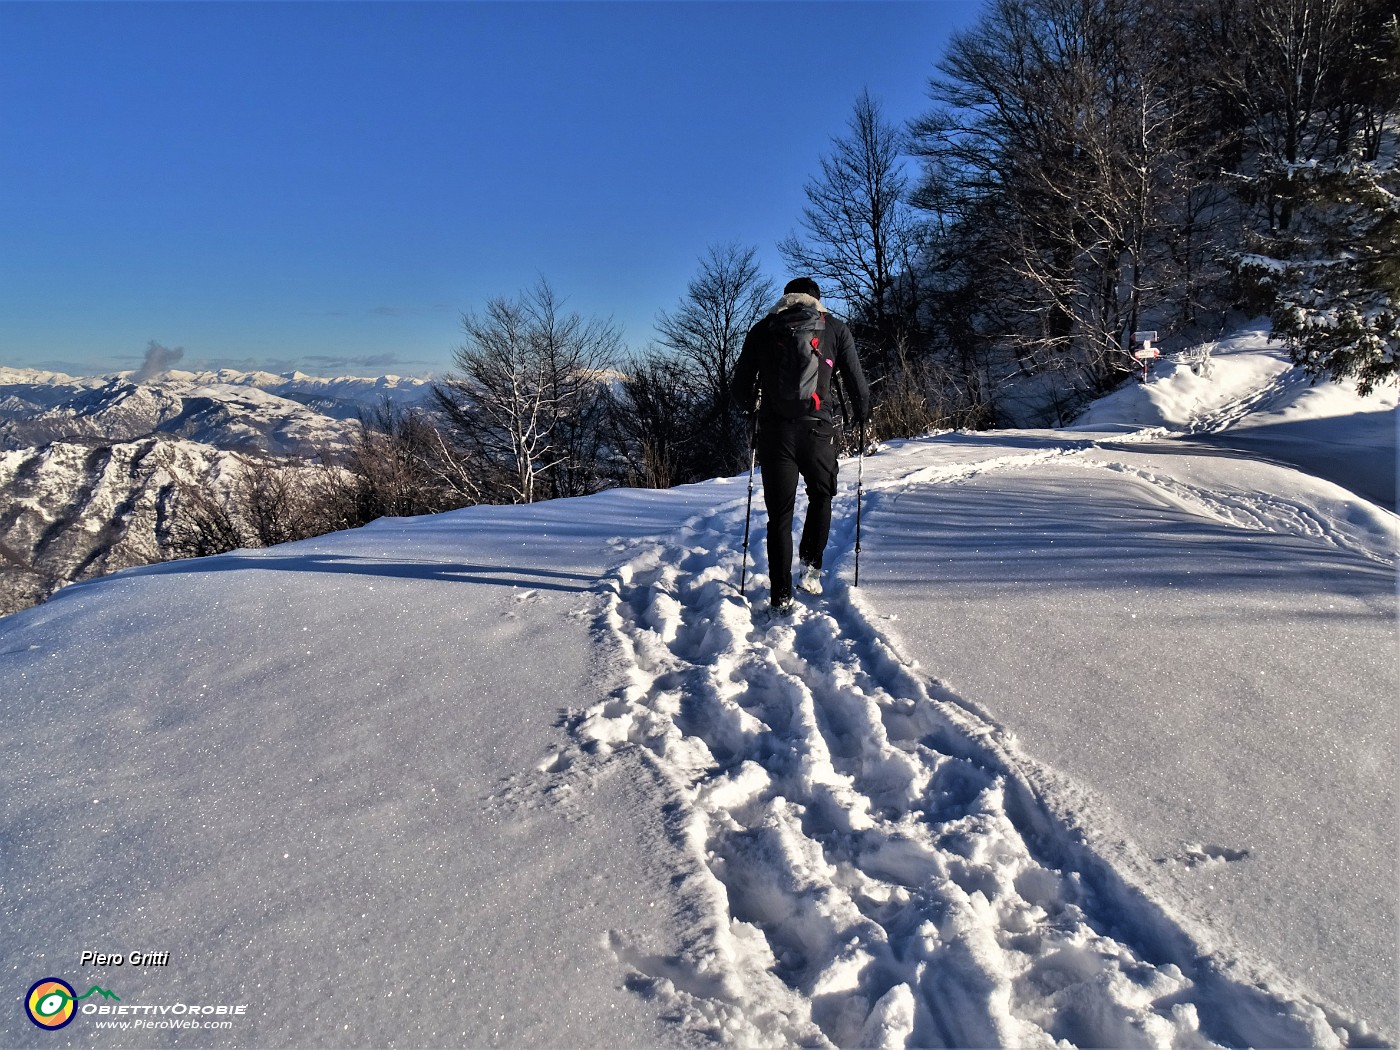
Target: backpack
797 372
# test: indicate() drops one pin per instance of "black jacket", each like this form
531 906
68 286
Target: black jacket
749 371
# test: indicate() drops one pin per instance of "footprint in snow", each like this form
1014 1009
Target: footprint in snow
869 869
1194 857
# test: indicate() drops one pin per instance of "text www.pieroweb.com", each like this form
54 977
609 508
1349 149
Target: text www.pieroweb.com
141 1017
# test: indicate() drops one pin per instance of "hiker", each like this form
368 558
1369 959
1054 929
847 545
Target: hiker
784 373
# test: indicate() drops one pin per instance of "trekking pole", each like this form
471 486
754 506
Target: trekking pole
748 510
860 488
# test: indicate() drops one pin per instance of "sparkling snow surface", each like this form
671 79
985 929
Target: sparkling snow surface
1100 753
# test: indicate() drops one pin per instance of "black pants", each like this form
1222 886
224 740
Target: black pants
787 448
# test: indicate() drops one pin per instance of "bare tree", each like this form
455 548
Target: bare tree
655 422
23 583
526 398
706 329
1059 129
267 502
861 237
401 463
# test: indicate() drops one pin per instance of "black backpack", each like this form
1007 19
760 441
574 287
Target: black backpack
797 366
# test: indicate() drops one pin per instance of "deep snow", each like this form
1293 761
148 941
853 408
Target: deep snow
1101 752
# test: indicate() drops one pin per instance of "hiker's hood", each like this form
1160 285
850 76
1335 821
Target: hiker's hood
792 299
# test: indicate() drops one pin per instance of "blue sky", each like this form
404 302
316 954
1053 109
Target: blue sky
330 185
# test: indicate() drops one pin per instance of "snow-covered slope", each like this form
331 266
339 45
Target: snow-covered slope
1241 394
340 397
75 511
1098 753
89 466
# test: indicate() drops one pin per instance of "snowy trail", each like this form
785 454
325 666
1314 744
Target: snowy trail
1223 417
877 864
1330 518
1318 510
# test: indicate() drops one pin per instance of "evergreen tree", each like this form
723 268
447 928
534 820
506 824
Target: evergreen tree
1326 253
1337 286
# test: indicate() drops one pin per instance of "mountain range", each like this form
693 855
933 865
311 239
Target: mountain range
91 467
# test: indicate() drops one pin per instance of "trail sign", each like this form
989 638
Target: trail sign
1148 353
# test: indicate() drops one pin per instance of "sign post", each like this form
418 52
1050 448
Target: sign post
1147 353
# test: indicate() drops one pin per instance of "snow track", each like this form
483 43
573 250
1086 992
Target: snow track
1339 521
1225 416
873 862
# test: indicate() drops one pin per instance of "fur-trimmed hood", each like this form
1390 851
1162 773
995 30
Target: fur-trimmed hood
792 299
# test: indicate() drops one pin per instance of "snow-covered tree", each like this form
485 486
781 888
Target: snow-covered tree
1326 178
1336 276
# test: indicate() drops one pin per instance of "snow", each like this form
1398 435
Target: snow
1252 401
1166 660
1100 752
